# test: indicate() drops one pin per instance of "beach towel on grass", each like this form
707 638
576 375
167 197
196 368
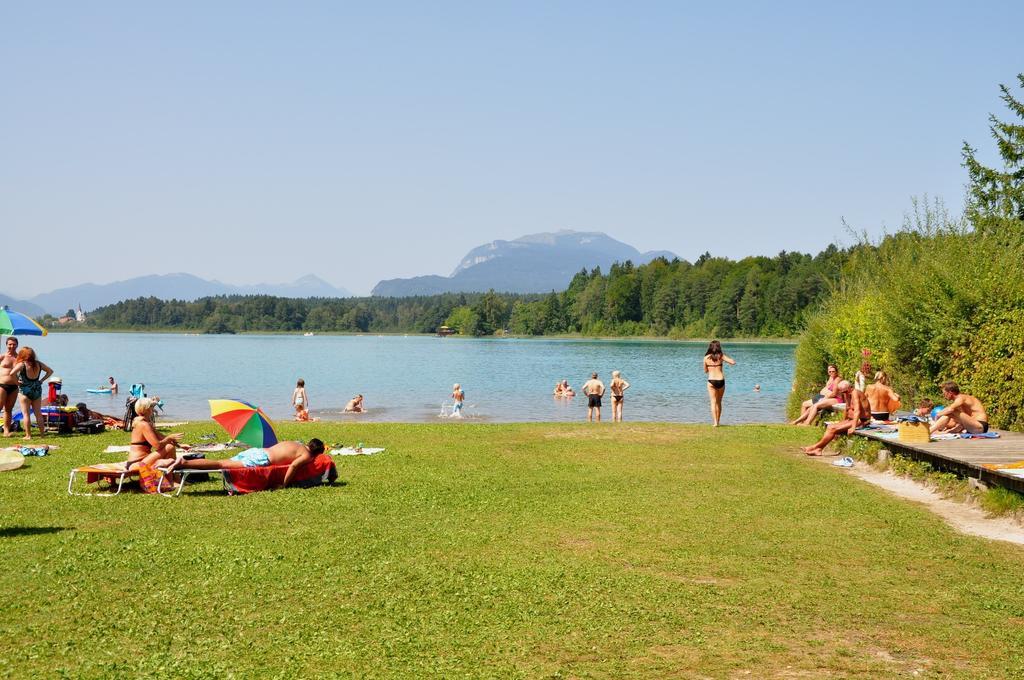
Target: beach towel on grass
350 451
319 471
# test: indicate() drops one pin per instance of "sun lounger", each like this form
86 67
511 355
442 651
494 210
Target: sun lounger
320 471
94 474
150 479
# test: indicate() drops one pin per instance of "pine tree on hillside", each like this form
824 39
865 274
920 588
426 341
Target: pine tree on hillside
995 198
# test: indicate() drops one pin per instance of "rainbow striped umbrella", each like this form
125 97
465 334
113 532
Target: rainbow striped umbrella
16 323
244 422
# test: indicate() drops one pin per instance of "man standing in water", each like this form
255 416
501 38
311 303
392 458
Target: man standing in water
594 389
8 382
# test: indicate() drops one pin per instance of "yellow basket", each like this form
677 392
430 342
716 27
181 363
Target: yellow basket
914 433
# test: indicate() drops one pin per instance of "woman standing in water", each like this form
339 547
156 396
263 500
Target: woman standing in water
618 386
713 360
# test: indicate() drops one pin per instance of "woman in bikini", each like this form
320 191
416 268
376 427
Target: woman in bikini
618 387
31 373
826 398
146 447
713 360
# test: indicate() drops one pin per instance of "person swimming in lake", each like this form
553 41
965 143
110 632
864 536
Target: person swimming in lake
567 391
714 358
618 387
111 385
460 398
355 405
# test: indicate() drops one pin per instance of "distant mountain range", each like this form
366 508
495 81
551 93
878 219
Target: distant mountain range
22 306
537 263
166 287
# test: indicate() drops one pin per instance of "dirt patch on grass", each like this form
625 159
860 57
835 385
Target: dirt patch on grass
964 517
576 544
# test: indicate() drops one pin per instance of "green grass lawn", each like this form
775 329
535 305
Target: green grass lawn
648 550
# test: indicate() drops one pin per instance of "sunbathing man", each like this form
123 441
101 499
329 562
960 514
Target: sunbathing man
292 453
858 413
964 414
8 382
884 402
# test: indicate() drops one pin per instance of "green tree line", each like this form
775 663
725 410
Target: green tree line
752 297
942 299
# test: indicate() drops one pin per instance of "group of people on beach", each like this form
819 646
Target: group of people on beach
300 403
860 403
148 451
714 360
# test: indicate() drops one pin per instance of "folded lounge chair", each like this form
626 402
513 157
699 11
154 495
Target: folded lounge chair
318 472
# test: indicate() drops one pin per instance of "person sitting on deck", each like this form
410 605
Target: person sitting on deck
924 408
881 397
964 414
293 454
858 413
825 399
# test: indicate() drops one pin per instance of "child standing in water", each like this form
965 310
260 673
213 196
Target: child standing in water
460 397
300 401
618 386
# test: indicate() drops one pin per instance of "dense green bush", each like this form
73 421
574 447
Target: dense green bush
943 299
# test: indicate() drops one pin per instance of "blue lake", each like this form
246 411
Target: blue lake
408 378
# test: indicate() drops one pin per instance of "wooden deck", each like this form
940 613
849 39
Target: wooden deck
968 457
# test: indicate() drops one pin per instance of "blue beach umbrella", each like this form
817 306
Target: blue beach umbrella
16 323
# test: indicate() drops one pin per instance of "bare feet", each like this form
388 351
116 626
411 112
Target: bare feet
812 452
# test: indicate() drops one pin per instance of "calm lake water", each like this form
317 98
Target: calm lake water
408 378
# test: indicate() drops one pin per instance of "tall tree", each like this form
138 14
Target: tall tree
995 201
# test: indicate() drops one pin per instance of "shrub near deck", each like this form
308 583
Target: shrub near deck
515 550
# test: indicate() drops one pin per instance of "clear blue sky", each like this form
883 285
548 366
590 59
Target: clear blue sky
257 141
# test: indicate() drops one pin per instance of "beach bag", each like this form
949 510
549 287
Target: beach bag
130 414
94 426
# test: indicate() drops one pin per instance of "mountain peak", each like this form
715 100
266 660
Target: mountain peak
534 263
177 286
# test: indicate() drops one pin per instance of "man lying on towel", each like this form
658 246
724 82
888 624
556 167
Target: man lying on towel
293 454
